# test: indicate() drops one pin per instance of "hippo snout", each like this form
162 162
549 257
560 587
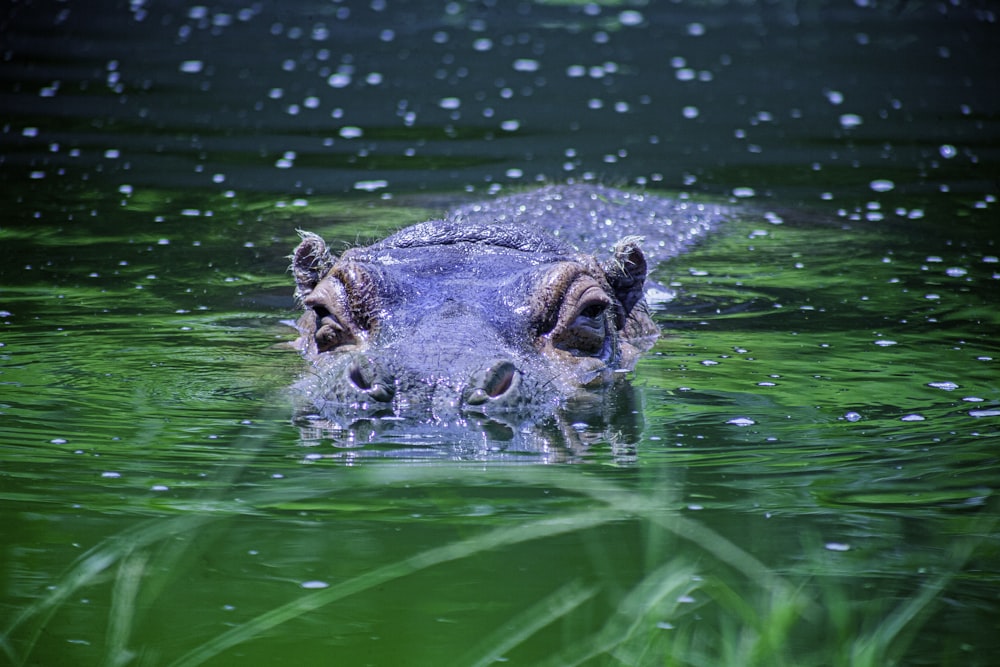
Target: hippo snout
366 380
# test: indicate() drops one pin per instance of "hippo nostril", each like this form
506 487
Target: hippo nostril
491 383
365 377
499 379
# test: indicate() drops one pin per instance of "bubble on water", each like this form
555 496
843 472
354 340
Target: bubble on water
932 297
990 259
526 65
514 173
883 342
709 362
837 546
882 185
595 103
947 386
685 74
110 474
744 192
351 132
576 71
947 151
112 154
741 421
192 66
449 103
912 417
852 416
695 29
159 487
834 96
690 112
510 125
314 584
850 120
984 413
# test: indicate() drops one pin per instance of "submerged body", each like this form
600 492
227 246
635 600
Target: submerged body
509 307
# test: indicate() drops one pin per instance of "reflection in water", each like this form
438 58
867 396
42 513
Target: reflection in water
610 418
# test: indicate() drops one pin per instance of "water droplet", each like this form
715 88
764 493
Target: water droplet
630 17
947 386
834 96
339 80
192 66
882 185
850 120
370 186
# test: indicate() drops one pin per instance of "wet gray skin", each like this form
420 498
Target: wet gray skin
520 310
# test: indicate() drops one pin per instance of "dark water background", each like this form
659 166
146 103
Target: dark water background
811 478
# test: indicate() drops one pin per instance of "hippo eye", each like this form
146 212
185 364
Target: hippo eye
330 333
582 327
329 316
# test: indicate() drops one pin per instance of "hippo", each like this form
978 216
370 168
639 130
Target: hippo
513 311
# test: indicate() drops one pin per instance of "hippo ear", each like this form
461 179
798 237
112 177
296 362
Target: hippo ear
626 273
310 261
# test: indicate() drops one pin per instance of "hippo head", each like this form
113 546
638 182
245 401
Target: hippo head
448 319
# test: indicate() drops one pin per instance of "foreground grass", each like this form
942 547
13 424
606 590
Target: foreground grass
769 618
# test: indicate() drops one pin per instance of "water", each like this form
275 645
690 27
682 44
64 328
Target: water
811 474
